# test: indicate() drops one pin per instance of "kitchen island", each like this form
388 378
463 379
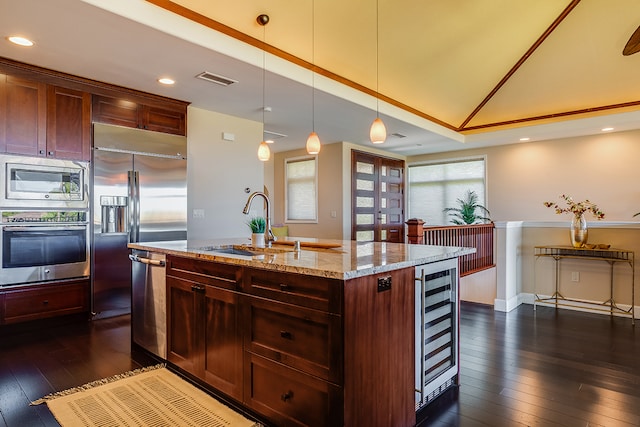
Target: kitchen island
321 336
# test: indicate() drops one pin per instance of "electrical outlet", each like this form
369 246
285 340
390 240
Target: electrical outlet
575 276
198 213
384 284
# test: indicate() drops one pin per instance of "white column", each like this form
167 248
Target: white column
508 264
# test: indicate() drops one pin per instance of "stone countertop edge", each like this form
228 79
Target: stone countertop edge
349 261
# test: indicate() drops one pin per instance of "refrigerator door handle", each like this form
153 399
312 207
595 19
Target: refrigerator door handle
134 206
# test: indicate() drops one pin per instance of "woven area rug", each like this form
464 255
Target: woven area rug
145 397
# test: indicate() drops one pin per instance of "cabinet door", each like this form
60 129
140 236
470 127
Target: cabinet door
68 124
223 341
164 120
23 116
115 111
182 308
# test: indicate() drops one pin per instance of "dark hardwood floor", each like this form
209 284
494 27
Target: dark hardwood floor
544 368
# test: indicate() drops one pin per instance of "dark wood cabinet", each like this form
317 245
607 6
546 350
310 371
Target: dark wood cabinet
44 120
165 118
299 350
289 397
23 115
68 124
45 300
204 336
293 347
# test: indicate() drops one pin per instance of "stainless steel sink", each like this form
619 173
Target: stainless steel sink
231 250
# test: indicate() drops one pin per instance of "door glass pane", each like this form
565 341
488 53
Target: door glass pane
364 202
364 168
364 236
383 235
362 219
362 184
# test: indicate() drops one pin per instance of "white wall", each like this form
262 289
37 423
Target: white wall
218 173
520 177
334 190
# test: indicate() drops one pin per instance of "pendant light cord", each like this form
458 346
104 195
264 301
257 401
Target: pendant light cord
264 65
313 73
377 62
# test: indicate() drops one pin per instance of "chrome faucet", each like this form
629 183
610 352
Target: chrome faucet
268 234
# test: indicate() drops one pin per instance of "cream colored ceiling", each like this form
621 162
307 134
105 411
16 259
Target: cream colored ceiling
445 58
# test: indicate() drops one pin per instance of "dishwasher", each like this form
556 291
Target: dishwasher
148 301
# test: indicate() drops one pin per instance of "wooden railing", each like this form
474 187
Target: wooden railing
479 236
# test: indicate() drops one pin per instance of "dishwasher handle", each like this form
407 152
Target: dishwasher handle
148 261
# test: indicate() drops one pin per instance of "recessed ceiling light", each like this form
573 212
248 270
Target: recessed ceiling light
607 129
21 41
269 141
525 139
166 81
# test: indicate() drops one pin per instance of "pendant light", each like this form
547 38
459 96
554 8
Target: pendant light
378 131
313 141
264 153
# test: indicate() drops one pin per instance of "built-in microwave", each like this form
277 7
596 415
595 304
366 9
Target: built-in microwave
34 182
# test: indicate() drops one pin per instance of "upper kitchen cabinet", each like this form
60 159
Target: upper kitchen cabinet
23 115
68 124
43 120
166 117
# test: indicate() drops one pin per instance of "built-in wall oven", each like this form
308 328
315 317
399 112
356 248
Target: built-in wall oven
41 246
44 220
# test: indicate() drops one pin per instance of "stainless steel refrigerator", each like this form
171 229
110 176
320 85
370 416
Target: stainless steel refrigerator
139 195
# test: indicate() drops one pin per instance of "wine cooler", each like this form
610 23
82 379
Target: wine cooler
436 330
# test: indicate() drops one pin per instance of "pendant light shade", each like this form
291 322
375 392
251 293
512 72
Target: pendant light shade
378 132
313 143
264 153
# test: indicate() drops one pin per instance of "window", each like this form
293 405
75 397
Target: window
301 189
435 186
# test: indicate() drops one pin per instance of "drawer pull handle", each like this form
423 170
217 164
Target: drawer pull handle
286 396
45 302
284 287
286 335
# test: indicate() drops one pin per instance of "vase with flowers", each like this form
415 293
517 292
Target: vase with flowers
579 231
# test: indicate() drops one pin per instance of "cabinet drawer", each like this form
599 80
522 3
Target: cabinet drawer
290 398
307 291
307 340
211 273
45 301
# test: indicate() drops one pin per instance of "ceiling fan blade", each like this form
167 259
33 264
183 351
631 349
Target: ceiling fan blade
633 45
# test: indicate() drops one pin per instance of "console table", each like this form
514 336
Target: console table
610 256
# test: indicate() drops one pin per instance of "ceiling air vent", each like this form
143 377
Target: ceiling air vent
215 78
398 135
275 135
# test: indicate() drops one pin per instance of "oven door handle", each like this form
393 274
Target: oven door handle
148 261
43 228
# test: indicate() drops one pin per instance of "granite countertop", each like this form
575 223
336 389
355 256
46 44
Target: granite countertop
346 260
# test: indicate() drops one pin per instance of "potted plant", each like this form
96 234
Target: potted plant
258 226
469 211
